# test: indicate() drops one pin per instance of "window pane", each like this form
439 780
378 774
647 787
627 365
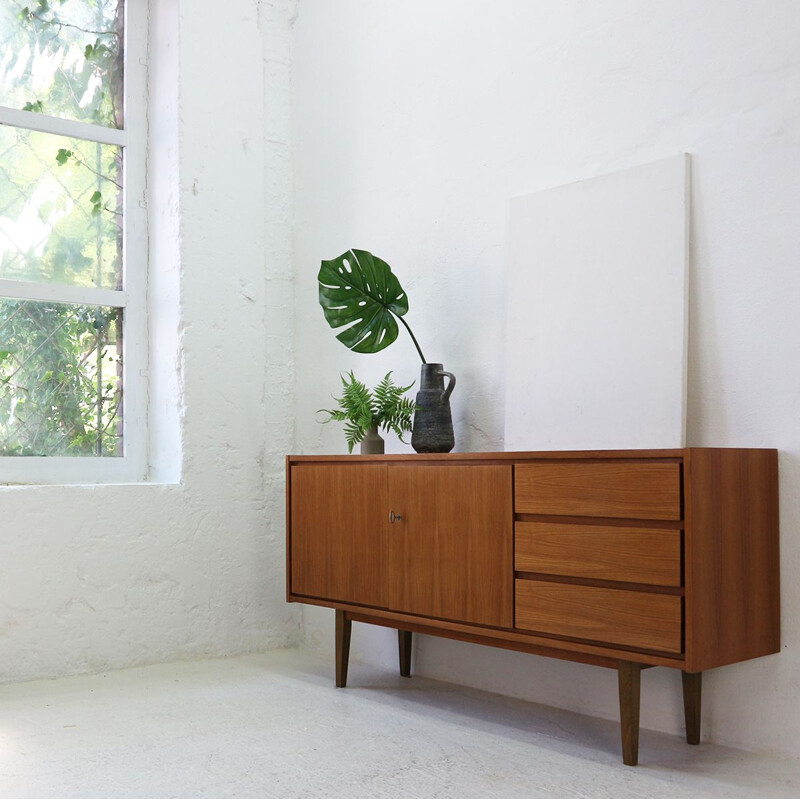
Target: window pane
63 58
60 210
60 379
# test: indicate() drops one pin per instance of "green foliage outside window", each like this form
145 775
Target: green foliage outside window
61 206
59 399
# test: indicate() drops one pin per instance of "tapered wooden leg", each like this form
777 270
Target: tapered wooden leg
692 695
630 675
404 649
343 626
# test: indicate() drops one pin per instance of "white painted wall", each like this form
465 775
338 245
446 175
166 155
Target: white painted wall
414 124
109 576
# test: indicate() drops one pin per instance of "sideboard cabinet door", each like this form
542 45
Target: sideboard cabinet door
339 519
435 541
450 553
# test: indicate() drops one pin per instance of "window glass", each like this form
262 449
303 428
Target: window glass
60 210
63 58
73 241
60 379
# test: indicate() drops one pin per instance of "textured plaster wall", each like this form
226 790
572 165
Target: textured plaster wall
414 124
108 576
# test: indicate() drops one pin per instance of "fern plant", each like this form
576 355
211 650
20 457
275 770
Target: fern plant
361 409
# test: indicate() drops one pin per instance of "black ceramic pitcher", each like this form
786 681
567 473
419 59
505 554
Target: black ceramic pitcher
432 431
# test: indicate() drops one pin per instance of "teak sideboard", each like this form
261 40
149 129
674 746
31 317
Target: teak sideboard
625 559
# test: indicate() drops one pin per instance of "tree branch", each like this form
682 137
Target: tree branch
55 21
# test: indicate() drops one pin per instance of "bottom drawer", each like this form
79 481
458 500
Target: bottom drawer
613 616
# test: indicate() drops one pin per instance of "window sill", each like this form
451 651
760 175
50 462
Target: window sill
61 471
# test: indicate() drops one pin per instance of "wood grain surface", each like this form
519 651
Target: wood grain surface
615 616
630 683
338 531
635 555
451 553
692 704
638 490
732 560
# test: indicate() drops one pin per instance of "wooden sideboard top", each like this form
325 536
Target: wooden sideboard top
522 455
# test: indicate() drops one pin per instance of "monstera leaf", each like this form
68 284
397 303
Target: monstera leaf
359 290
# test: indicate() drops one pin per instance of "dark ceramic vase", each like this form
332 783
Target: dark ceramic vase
432 431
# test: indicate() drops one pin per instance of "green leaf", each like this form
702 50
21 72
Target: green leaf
360 291
36 106
63 155
360 409
97 203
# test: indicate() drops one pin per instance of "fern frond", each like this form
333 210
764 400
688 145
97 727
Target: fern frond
355 410
360 409
401 420
389 402
333 415
353 434
383 388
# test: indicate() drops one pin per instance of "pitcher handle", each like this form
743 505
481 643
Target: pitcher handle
450 386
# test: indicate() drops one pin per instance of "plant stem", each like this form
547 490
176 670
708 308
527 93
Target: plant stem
96 172
413 339
56 21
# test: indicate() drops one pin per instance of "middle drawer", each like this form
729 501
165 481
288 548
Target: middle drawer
599 552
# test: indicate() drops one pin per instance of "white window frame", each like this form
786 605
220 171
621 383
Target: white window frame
132 465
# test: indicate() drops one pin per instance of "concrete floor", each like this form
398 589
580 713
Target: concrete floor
273 726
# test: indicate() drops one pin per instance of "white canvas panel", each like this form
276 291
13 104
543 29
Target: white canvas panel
596 339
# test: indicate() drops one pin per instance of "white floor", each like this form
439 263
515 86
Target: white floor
274 726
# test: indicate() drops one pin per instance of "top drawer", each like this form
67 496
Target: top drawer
624 489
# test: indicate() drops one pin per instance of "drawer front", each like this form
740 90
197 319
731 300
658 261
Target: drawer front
630 490
601 552
611 616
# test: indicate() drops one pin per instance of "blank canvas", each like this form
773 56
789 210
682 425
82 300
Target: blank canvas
596 338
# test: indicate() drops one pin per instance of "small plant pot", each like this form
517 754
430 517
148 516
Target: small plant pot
372 444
